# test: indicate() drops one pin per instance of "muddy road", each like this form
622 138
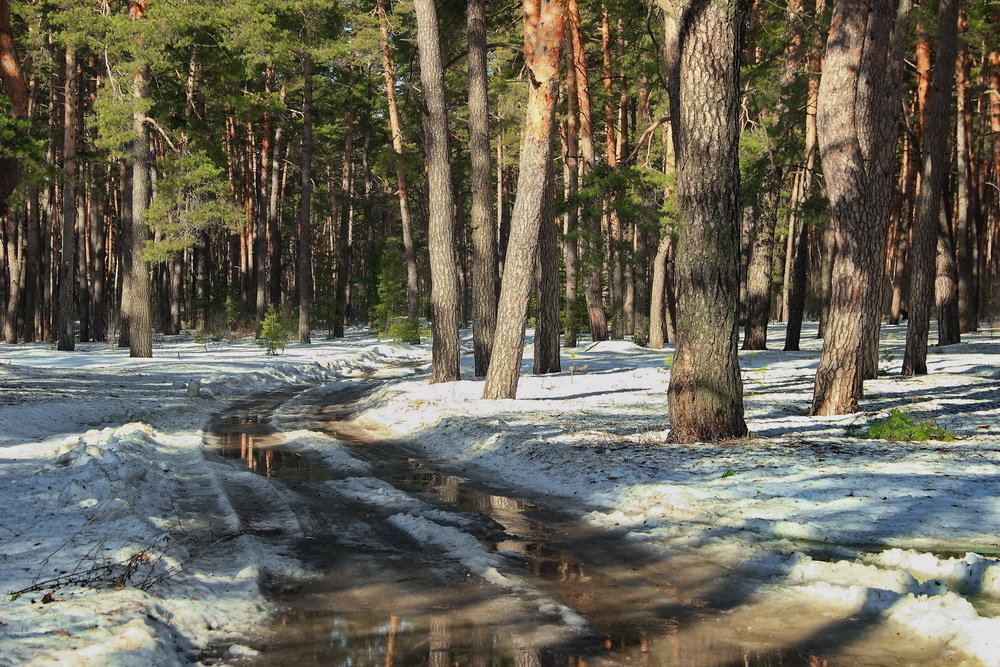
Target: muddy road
407 561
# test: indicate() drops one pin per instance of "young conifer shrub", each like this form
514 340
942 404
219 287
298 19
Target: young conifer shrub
273 333
899 426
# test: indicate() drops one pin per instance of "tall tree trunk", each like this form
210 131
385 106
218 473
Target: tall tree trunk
409 253
137 292
303 268
445 350
967 302
706 393
543 35
17 92
797 291
274 241
547 321
345 229
67 258
758 303
484 261
657 299
946 283
857 145
591 238
98 238
571 173
933 173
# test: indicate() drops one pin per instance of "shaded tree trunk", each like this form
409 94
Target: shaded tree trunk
303 268
547 327
345 228
706 392
967 302
484 262
67 257
543 35
445 350
591 238
857 145
137 291
933 173
409 254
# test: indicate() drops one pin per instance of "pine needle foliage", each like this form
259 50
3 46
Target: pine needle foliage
902 427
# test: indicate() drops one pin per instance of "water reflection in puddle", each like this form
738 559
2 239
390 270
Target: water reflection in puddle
247 439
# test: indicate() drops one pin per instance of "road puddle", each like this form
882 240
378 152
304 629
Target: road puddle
244 437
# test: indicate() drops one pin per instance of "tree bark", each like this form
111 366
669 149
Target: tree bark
17 92
706 392
303 269
967 302
138 288
345 228
67 258
857 146
657 299
591 238
409 254
484 262
571 174
933 173
758 303
547 321
445 352
543 35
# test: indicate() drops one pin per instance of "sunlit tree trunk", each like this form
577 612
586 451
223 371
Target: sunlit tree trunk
543 35
441 231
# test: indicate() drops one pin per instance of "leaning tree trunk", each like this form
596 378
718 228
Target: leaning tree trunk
933 173
303 268
484 253
706 392
543 34
445 352
857 147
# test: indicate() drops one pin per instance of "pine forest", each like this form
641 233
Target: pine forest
689 171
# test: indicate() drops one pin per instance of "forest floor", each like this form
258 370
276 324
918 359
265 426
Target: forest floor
119 544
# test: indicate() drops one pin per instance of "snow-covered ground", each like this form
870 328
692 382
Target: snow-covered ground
103 480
